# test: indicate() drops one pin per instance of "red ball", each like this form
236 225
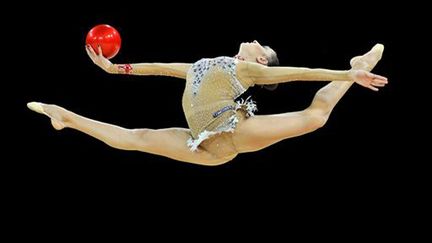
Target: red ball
105 36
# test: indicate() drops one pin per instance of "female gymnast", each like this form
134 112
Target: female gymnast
219 127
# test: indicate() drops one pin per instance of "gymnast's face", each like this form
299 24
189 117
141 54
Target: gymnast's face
254 52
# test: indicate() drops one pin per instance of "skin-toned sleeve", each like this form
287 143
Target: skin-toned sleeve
243 74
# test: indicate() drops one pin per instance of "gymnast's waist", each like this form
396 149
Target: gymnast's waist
212 110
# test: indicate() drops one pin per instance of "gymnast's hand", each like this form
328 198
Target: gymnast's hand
99 59
367 79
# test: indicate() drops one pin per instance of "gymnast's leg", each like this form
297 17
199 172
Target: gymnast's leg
259 132
170 142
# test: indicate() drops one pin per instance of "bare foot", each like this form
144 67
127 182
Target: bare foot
368 60
362 65
57 114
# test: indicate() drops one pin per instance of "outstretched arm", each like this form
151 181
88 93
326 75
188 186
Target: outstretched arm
260 74
178 70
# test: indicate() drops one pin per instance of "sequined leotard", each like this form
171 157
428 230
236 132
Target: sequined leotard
209 98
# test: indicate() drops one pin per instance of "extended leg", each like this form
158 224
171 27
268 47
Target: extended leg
259 132
169 142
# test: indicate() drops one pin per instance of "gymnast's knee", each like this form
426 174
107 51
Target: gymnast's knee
315 119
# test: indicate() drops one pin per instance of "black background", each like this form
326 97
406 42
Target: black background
352 155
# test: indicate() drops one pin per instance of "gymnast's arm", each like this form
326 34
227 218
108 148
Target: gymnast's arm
178 70
260 74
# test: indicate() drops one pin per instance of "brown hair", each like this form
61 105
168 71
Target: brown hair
273 60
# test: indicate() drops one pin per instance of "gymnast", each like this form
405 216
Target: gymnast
220 126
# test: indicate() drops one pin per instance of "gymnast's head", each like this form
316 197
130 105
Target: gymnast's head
255 52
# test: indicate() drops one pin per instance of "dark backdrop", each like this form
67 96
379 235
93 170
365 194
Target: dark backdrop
352 154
